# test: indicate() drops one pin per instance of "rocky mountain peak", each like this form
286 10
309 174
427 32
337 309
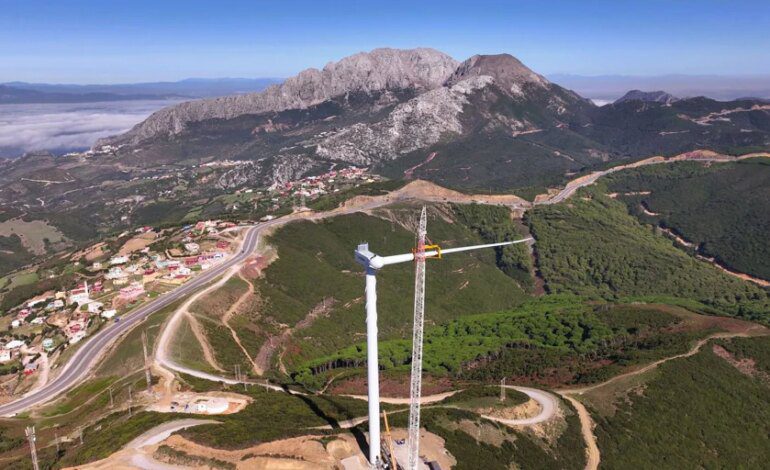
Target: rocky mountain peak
380 69
508 71
648 97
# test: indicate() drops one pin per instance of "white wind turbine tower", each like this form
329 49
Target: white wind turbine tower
373 263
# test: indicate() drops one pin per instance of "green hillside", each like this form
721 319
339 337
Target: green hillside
315 272
723 208
699 412
591 246
552 340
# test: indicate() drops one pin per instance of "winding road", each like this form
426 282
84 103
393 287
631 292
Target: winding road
84 359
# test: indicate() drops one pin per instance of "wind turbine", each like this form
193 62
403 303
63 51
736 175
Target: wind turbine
373 263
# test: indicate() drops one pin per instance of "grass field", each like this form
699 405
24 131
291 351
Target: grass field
36 235
127 355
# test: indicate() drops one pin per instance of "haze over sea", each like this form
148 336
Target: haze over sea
66 127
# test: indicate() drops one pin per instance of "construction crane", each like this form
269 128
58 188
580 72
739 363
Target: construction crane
391 457
373 263
415 391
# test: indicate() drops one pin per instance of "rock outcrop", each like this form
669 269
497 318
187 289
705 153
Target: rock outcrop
380 69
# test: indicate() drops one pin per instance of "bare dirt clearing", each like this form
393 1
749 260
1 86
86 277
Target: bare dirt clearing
210 403
137 243
35 235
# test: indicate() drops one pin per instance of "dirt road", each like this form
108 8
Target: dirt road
586 422
548 406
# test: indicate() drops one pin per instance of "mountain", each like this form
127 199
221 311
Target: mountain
379 70
718 87
647 96
486 123
14 95
188 88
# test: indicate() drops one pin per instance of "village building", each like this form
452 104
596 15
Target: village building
15 344
80 295
109 313
95 307
132 292
115 273
35 302
115 260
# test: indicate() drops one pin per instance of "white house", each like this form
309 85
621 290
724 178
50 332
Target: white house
75 338
34 302
14 344
118 260
109 313
115 273
192 247
15 323
5 355
94 307
79 296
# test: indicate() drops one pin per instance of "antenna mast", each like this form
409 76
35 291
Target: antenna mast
417 335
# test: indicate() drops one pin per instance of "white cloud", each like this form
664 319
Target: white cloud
59 127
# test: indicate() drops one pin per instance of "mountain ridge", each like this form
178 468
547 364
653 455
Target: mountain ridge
380 69
658 96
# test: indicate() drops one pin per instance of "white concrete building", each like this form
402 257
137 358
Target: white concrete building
115 260
109 313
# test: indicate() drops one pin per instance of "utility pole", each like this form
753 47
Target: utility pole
56 439
502 389
146 362
30 431
130 400
112 403
81 436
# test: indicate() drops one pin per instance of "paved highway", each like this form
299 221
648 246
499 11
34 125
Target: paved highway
81 363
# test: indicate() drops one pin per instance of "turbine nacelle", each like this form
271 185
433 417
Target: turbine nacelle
368 259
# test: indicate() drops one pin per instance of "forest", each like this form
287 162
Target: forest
695 412
591 246
555 338
494 224
722 208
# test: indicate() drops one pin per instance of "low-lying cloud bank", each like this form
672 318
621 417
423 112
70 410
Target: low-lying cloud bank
61 128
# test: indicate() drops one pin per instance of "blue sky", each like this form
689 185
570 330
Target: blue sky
142 40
